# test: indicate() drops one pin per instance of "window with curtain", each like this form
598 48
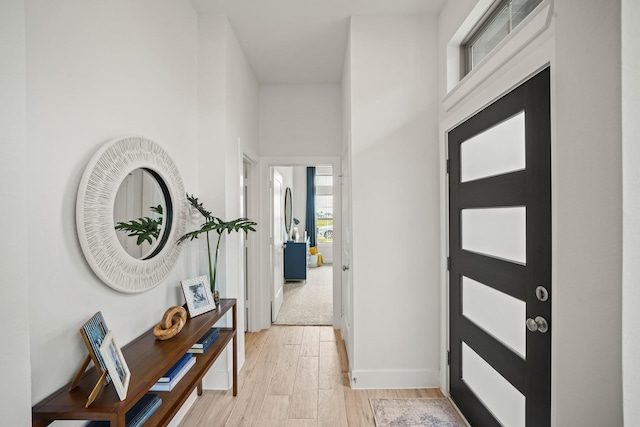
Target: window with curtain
324 204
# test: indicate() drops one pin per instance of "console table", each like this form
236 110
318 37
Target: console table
148 359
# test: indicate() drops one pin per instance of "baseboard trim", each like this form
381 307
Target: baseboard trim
398 378
217 380
182 412
220 375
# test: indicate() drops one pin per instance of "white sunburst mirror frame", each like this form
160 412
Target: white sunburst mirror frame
99 185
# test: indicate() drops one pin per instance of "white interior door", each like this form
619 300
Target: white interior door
277 241
347 291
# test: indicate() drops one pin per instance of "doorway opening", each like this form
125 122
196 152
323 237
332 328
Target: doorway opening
304 202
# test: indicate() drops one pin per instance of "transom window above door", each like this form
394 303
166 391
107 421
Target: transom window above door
497 23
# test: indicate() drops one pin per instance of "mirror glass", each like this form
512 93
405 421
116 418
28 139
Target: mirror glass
288 212
139 213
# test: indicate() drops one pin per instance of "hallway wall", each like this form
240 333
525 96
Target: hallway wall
300 120
588 200
15 400
227 131
395 217
631 207
96 71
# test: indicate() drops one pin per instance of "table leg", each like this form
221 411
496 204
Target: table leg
235 350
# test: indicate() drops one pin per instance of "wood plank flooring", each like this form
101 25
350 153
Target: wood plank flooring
293 376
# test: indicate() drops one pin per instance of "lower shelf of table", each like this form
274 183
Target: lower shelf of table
173 400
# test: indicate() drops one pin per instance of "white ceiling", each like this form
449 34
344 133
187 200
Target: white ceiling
302 41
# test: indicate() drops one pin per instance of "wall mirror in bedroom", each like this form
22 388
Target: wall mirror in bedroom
130 210
288 212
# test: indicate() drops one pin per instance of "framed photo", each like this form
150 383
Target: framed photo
93 333
116 365
198 296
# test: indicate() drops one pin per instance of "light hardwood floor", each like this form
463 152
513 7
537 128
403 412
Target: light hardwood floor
293 376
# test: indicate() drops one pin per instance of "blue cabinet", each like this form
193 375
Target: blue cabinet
295 261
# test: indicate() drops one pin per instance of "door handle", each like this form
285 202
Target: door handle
538 324
345 267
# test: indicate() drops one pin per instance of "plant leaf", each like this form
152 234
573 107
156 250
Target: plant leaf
213 223
146 229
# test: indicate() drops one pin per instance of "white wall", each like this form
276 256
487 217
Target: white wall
96 71
587 372
241 140
15 397
287 176
395 263
212 99
228 130
631 207
287 181
300 120
300 197
581 42
295 177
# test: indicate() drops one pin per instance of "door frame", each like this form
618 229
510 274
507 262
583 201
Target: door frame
346 251
276 240
251 204
468 100
471 104
260 311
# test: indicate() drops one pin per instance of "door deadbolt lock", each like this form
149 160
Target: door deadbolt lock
542 293
538 324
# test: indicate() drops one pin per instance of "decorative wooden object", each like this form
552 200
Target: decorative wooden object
172 322
148 359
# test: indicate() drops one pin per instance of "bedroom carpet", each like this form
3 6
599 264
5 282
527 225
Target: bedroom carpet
311 302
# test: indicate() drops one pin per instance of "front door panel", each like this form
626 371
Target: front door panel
500 253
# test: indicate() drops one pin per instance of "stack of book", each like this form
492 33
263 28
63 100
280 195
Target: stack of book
138 414
205 341
175 374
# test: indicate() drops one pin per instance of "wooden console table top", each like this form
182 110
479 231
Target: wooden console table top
148 359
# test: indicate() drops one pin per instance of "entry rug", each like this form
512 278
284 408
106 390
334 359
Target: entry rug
429 412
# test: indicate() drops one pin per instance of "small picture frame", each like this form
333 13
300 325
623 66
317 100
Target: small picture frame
116 365
198 295
93 334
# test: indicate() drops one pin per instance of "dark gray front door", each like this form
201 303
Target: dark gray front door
500 260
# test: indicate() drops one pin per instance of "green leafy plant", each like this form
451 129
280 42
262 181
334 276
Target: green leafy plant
146 229
213 223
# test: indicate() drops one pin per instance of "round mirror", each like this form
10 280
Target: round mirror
140 213
288 212
131 181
